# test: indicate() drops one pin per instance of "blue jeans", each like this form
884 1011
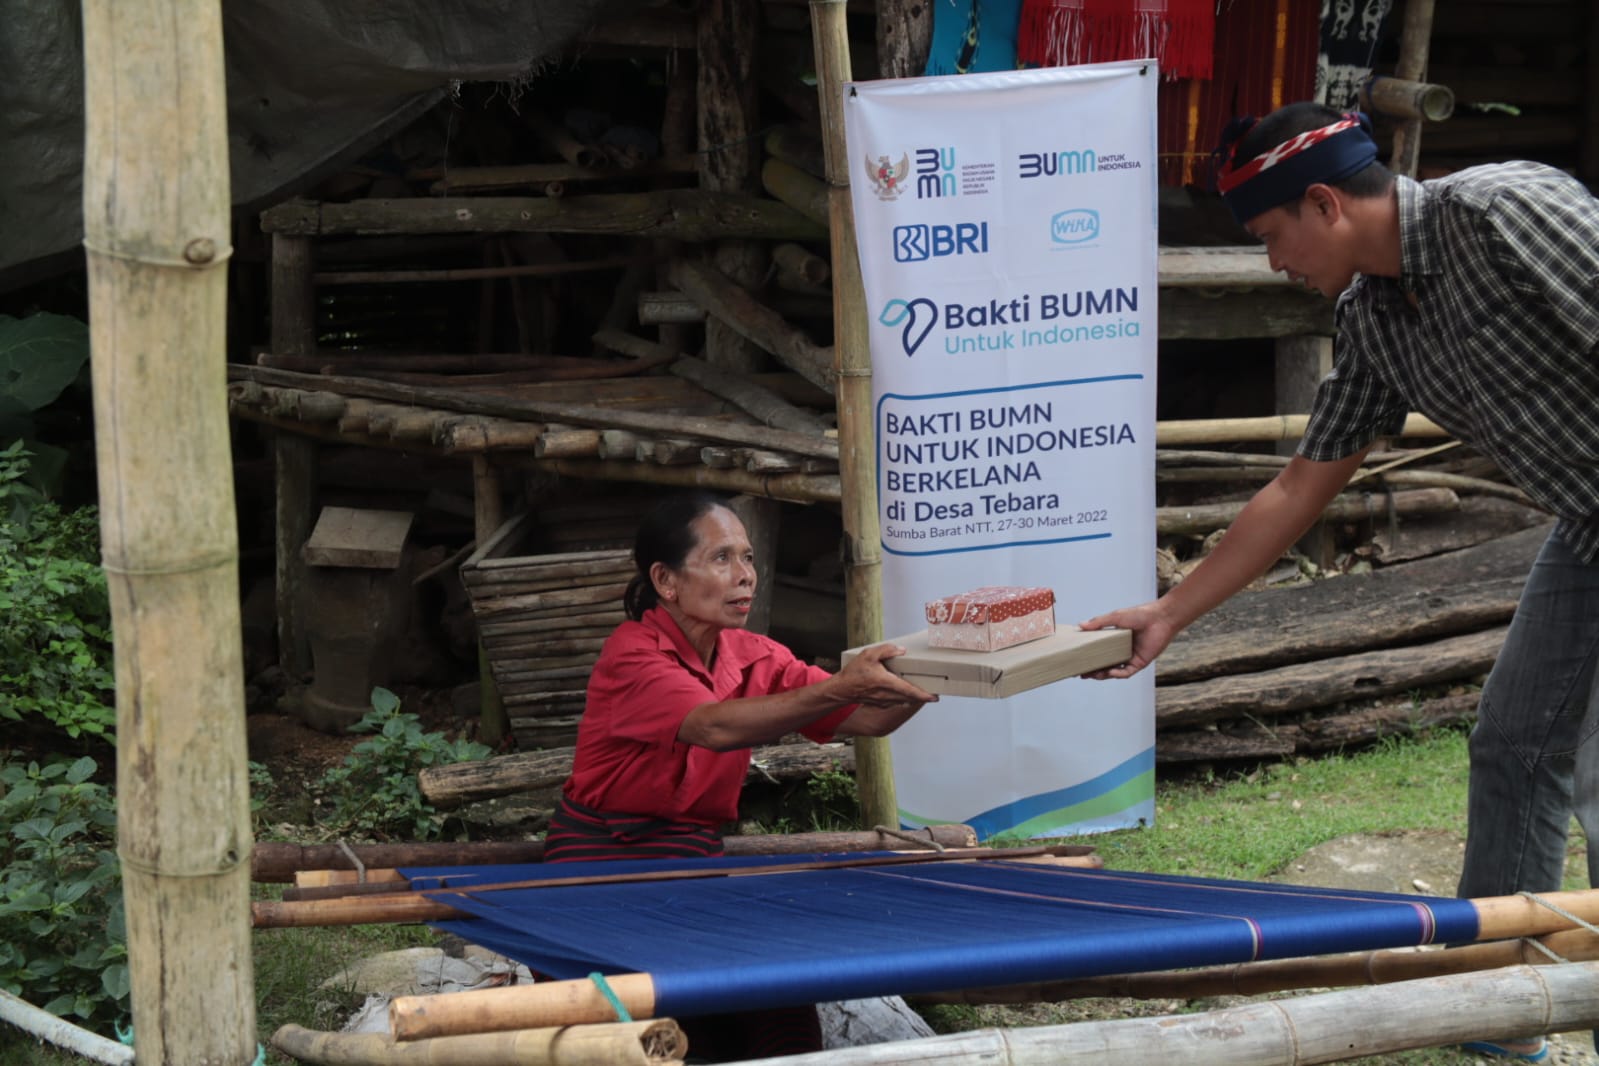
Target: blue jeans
1534 754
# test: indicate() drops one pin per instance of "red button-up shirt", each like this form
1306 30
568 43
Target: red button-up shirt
647 680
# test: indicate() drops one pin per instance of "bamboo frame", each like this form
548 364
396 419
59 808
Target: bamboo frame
863 560
156 210
645 1043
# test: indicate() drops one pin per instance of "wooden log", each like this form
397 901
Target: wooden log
1171 434
510 651
799 488
904 37
760 403
478 434
1327 731
649 354
639 421
645 1043
538 175
1327 681
1407 99
732 304
156 122
561 442
516 270
671 451
796 188
453 784
569 597
799 147
678 214
618 444
1196 314
533 574
1464 591
1347 507
798 267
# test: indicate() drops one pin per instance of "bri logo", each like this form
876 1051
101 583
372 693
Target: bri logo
918 317
1076 226
914 244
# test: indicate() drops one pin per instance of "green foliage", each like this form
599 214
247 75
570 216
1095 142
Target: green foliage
62 939
835 799
55 618
375 793
40 356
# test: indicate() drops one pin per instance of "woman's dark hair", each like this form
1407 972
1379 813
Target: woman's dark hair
664 536
1290 121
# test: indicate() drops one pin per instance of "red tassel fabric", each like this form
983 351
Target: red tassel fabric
1178 33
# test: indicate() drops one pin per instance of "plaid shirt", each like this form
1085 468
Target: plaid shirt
1502 345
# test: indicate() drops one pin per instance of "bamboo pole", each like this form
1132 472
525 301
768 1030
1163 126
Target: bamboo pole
1414 40
645 1043
540 410
156 209
1280 975
1267 428
863 560
1330 1027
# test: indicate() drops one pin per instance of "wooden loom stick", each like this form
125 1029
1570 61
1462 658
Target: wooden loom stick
1280 975
395 906
642 1043
343 884
415 1017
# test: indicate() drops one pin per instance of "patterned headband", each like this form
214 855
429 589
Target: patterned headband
1325 155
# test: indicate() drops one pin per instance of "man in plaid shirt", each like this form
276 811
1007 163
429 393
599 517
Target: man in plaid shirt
1473 298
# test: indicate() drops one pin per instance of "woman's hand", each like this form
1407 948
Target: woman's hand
866 680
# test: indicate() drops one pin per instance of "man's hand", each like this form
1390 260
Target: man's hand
1151 633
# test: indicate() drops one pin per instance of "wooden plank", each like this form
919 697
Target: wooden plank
1422 600
349 536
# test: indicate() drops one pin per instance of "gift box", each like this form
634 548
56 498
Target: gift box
1069 652
990 618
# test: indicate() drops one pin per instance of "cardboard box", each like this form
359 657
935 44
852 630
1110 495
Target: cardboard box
996 674
990 618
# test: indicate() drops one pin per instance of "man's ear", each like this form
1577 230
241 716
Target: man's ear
1323 203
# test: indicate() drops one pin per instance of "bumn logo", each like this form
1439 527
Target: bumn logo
916 243
918 316
1076 226
1050 164
935 173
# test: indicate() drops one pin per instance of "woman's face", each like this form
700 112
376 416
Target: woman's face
716 583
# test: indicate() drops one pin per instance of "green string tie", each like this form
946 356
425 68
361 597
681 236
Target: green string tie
126 1036
610 994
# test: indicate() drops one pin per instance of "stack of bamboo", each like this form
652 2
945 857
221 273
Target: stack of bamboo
542 620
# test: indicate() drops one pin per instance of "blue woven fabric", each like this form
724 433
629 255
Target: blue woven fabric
746 943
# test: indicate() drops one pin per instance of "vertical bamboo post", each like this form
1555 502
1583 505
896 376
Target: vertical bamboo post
1414 40
728 116
904 37
852 363
293 332
488 514
156 225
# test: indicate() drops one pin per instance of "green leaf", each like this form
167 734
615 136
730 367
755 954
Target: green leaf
39 357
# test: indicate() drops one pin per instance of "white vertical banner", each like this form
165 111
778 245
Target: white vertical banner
1007 234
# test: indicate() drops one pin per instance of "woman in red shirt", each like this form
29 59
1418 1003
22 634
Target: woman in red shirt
682 691
680 694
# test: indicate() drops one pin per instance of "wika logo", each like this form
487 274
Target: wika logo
1076 226
918 315
916 243
1051 164
888 178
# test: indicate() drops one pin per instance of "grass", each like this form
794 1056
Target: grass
1248 825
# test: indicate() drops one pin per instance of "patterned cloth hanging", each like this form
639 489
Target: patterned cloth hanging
1178 33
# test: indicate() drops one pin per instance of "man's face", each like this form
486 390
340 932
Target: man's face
1305 244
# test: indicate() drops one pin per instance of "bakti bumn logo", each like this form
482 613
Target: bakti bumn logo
918 316
887 177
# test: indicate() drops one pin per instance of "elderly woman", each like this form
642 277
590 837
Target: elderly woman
682 691
680 694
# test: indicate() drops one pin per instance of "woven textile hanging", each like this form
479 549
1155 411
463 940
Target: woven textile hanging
1178 33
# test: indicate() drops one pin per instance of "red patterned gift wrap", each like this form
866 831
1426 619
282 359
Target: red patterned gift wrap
990 618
